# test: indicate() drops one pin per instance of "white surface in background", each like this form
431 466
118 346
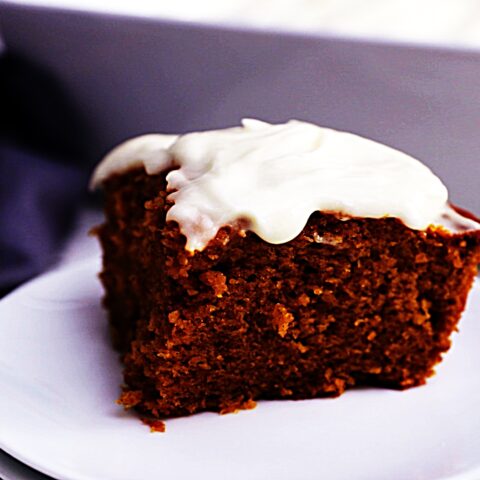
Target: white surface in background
60 378
428 21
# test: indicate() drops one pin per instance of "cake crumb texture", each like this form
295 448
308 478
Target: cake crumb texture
347 302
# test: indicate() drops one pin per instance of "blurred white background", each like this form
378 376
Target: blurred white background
447 22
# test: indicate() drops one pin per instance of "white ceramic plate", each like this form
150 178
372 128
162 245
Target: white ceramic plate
59 379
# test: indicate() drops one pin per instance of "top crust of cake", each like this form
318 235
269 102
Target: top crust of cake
269 179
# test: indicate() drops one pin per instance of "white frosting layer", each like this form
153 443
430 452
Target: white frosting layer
273 177
148 151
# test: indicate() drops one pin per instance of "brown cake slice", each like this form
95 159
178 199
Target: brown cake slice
348 301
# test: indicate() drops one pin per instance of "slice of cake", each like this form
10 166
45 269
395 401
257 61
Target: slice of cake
276 261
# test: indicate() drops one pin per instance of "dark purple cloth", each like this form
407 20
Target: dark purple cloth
42 175
38 201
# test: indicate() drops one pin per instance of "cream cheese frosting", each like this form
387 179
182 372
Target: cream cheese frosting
147 151
271 178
